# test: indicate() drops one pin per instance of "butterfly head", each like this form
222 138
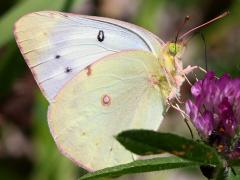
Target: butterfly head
172 53
175 48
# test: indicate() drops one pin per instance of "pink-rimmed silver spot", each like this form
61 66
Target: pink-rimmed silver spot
106 100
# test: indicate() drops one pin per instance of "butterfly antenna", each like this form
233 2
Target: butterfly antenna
205 50
205 24
179 30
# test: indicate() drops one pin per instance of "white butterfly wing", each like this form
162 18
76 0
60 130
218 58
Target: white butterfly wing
56 46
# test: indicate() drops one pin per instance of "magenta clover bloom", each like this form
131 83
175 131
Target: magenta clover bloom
215 112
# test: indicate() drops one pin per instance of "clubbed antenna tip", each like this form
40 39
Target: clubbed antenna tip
205 24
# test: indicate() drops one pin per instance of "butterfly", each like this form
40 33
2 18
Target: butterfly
101 76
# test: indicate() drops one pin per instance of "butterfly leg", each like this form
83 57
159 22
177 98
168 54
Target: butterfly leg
189 69
192 69
187 79
195 75
178 99
176 107
184 115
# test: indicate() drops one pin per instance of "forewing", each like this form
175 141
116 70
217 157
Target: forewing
56 46
112 95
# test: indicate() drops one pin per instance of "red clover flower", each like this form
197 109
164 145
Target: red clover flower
215 112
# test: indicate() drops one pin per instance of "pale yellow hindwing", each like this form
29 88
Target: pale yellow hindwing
114 94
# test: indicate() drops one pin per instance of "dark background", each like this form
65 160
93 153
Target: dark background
27 150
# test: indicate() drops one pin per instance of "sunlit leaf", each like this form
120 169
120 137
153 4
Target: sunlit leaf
139 166
144 142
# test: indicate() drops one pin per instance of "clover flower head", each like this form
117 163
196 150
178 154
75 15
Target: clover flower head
215 112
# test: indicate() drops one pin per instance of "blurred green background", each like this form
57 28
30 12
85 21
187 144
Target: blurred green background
27 150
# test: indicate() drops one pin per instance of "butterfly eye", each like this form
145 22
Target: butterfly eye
100 36
173 49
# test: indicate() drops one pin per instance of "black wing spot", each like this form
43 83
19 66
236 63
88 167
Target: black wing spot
100 36
68 70
57 56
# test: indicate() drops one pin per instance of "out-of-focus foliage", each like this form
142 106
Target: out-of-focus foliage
38 157
27 150
49 164
21 8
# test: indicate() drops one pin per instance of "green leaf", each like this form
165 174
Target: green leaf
139 166
145 142
233 175
24 7
222 174
235 162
